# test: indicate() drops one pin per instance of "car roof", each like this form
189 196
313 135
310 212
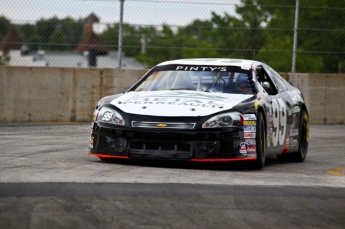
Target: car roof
243 63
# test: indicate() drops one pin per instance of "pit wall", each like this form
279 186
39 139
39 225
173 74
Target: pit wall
63 95
48 94
324 95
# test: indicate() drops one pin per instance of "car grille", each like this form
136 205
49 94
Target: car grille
166 125
160 146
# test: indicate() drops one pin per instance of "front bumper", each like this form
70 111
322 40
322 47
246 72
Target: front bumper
108 141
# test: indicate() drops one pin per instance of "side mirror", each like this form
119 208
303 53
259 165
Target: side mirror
266 85
291 83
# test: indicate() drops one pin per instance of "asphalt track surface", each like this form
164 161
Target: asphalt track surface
47 180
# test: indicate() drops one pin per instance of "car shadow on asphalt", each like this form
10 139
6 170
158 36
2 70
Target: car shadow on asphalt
217 166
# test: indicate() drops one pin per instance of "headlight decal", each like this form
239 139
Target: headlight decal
108 115
224 120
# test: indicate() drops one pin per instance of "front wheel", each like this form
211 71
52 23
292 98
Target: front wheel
301 154
259 163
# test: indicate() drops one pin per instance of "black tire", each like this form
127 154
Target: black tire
301 154
260 138
303 140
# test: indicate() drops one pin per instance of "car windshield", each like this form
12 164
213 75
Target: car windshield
207 81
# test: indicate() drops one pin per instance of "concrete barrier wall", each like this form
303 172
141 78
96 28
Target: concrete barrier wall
48 94
324 95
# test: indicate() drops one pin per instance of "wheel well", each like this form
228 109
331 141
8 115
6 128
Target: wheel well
304 107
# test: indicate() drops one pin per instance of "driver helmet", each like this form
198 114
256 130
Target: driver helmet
242 82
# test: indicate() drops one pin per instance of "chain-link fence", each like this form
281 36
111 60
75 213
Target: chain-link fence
79 33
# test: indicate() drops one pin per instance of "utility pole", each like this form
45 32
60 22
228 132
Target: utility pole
120 36
294 51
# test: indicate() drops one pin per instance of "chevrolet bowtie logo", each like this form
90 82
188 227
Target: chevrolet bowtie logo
161 125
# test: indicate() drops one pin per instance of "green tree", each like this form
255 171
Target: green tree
26 30
5 26
197 39
226 37
47 30
73 31
110 36
252 18
281 62
320 34
4 58
58 41
130 38
34 41
164 46
45 27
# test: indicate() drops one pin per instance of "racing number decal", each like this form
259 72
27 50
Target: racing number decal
279 121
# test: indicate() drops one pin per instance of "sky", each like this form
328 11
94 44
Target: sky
141 12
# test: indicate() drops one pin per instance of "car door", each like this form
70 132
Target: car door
279 118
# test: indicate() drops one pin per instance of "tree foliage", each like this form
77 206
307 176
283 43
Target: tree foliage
5 26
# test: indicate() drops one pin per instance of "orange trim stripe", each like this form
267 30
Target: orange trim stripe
221 159
284 150
108 156
193 159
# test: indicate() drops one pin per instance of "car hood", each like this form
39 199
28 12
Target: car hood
177 103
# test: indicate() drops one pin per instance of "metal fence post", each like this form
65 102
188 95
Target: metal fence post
120 36
294 51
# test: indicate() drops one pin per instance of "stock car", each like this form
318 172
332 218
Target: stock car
203 110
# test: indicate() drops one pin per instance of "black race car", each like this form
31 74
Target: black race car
203 110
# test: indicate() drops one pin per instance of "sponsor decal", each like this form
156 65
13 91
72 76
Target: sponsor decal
294 121
293 132
251 145
243 149
249 128
201 68
289 111
181 98
287 141
249 135
296 109
295 96
251 148
256 105
250 142
249 123
249 117
91 142
270 117
161 125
